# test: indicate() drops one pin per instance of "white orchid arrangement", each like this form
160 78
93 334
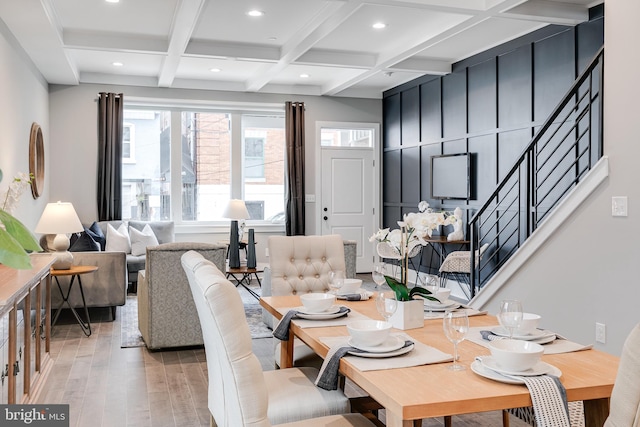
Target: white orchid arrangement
405 242
15 238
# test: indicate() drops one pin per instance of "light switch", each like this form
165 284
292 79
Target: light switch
619 206
310 198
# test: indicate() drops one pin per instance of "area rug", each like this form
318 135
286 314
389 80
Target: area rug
130 334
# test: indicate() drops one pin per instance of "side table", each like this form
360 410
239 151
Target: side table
75 272
246 274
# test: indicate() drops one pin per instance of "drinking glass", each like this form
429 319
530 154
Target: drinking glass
510 316
456 326
336 280
386 303
378 274
431 284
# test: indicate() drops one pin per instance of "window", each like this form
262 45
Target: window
146 181
128 146
346 137
221 154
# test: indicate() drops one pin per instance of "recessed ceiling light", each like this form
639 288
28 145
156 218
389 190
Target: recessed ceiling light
304 75
117 64
272 39
379 25
112 1
215 70
255 12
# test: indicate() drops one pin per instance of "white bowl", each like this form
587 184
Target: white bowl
350 286
442 294
368 333
529 324
317 302
515 355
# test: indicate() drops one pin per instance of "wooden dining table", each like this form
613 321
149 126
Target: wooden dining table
433 390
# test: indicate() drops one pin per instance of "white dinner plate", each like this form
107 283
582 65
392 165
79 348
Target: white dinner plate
539 368
399 352
331 310
444 306
479 368
321 316
392 343
535 335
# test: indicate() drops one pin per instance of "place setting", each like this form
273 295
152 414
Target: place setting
437 309
526 329
517 361
347 289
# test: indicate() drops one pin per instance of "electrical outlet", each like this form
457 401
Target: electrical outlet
601 333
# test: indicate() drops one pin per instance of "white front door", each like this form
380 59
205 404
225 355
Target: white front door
347 199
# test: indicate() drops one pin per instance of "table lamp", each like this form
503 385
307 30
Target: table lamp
59 219
235 210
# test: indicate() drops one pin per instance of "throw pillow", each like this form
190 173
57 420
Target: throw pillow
96 234
83 242
118 240
141 239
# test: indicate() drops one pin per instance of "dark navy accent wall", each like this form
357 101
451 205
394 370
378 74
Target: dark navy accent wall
489 105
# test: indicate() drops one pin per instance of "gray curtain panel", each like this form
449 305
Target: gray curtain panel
294 172
110 114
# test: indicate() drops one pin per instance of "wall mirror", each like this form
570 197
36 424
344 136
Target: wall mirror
36 160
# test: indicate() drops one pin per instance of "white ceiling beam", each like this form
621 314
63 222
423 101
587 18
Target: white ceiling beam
334 58
231 50
392 58
549 12
422 65
184 23
92 40
332 15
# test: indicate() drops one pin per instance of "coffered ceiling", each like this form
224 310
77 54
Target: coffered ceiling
306 47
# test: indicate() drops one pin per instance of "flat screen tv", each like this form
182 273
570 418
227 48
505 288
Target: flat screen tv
451 176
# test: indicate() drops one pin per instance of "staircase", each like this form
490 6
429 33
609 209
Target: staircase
563 161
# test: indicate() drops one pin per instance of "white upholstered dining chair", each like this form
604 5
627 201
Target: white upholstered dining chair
625 397
458 266
240 393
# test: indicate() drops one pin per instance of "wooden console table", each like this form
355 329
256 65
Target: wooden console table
25 330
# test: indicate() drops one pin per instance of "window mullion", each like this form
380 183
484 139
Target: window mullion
176 166
236 157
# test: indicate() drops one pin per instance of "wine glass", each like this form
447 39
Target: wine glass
378 274
336 280
510 316
386 303
431 284
456 326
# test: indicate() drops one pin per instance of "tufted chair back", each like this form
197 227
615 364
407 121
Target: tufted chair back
301 264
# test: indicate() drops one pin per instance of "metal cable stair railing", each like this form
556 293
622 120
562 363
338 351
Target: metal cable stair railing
566 147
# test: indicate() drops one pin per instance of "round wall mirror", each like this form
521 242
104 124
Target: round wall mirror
36 160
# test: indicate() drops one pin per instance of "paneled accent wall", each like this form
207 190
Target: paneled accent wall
490 105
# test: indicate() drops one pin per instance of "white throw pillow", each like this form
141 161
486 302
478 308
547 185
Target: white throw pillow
141 239
118 240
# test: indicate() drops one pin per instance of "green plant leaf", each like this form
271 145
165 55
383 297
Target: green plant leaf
424 293
11 252
402 293
19 232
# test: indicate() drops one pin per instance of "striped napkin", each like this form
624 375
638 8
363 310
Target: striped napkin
549 399
281 331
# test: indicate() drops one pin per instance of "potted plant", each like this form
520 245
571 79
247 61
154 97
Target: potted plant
15 238
402 244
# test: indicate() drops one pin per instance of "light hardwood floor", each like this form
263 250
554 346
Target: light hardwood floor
106 385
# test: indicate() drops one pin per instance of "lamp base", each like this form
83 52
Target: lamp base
64 258
234 246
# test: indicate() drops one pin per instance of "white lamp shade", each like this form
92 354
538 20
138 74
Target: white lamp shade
236 209
59 218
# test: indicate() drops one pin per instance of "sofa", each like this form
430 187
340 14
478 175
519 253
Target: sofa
107 287
167 315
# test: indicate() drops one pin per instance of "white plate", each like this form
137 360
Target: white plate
399 352
444 304
539 368
483 371
392 343
545 339
324 316
535 335
331 310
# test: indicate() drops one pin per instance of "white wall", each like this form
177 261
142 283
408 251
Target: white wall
23 100
588 271
74 139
